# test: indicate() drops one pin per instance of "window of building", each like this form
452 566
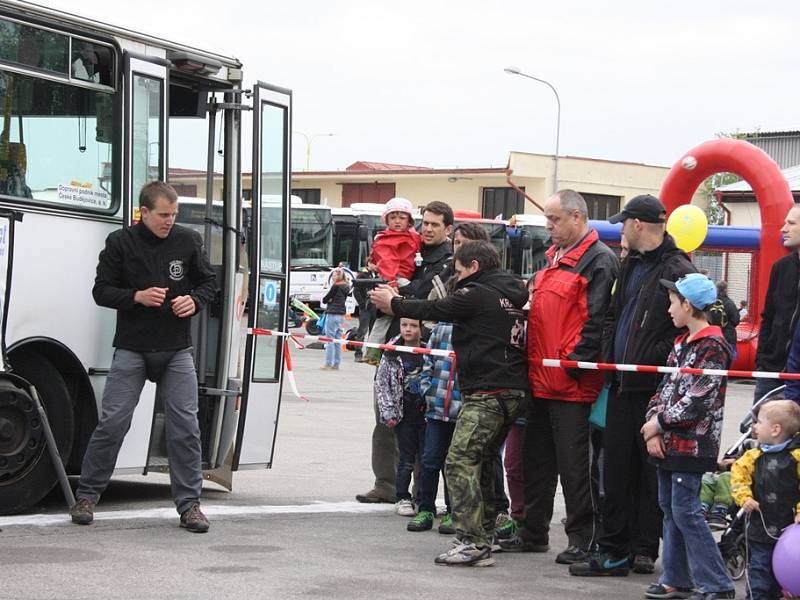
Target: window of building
367 192
503 201
188 190
601 206
308 195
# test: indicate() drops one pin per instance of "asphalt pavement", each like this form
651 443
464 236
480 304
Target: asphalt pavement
293 531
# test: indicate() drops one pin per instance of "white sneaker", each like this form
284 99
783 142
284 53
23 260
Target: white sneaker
405 508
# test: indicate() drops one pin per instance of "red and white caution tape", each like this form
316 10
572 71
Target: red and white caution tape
578 364
546 362
287 358
343 342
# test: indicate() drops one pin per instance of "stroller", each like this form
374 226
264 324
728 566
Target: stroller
732 544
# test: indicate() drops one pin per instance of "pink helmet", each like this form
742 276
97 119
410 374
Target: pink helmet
399 205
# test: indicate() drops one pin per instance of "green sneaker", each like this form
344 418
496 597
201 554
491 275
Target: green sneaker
446 525
507 530
422 522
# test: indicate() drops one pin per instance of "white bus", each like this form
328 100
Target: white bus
311 252
91 112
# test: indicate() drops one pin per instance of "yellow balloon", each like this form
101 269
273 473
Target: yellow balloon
688 225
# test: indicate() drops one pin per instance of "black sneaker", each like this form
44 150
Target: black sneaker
516 544
643 564
717 521
659 590
601 564
194 520
82 512
571 555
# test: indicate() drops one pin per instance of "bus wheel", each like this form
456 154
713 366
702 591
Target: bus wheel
26 471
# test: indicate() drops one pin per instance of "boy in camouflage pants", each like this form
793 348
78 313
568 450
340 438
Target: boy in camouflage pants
488 338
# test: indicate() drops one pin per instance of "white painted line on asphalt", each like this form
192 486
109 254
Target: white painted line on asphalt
211 510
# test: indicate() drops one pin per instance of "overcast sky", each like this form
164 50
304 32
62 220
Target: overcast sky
422 83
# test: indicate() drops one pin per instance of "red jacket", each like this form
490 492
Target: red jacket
394 251
569 303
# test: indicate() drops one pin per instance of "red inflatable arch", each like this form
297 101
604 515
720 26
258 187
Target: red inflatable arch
764 176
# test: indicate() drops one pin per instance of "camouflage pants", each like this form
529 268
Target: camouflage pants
482 426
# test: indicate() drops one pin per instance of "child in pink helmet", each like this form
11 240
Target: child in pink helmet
394 252
395 249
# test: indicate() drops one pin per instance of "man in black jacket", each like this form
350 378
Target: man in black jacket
781 308
488 339
156 275
639 331
437 225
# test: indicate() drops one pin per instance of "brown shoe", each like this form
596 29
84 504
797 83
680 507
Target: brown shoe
82 512
373 497
194 520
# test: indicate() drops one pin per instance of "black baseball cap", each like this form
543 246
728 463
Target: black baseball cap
646 208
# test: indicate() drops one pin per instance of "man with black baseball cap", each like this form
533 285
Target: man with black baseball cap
642 333
646 208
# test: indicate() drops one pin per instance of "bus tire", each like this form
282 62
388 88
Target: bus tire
23 488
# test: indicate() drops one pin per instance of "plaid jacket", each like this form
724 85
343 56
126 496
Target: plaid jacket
437 375
690 407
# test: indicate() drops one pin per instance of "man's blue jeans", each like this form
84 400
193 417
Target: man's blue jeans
438 435
760 578
689 557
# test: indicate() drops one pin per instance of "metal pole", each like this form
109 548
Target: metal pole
513 71
52 447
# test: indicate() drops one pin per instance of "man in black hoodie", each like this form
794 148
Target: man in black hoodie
488 338
156 275
639 331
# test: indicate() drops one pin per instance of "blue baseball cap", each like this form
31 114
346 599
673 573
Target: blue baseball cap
698 289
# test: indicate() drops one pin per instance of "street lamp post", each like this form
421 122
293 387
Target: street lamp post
309 139
514 71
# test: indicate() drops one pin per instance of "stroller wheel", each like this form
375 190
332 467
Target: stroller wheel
735 561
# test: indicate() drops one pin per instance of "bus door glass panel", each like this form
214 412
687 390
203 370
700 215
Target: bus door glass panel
147 126
271 192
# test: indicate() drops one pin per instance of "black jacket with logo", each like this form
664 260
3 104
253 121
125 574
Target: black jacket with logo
488 329
434 259
135 259
780 314
651 334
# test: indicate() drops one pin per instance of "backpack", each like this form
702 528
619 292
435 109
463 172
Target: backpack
717 314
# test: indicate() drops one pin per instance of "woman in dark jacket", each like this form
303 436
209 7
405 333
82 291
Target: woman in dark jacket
334 315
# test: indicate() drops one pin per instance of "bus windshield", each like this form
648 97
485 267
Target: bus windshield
312 238
530 245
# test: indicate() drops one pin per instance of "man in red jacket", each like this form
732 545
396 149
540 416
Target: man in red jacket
569 301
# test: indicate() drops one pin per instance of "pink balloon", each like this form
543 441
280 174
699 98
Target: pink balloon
786 560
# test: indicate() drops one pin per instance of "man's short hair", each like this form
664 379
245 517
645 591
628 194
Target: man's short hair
154 190
472 231
572 200
785 413
481 252
440 208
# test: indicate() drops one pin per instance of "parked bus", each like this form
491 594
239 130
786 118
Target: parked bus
90 113
311 252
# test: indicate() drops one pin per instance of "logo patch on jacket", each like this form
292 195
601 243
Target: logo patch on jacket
176 270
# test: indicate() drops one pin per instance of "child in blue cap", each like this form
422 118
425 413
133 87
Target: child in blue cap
682 431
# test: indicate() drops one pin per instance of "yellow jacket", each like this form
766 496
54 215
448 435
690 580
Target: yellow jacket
743 471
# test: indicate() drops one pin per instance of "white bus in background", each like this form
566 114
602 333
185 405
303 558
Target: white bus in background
311 251
90 113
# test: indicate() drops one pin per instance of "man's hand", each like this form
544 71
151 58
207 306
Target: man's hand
183 306
655 446
651 428
750 505
382 296
152 297
391 423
